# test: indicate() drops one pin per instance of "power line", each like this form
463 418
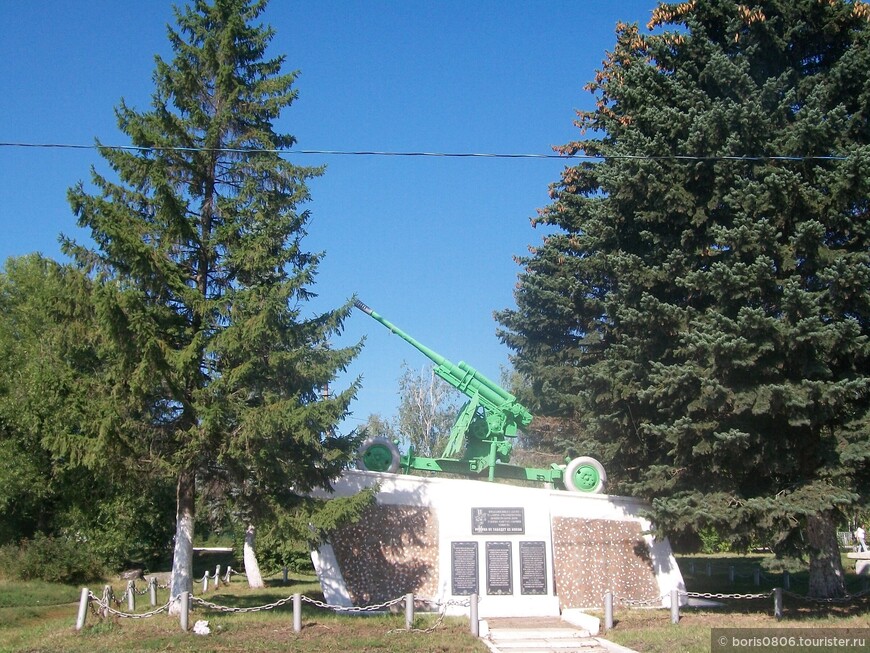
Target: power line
480 155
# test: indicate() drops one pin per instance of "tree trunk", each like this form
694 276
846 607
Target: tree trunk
826 569
252 568
182 557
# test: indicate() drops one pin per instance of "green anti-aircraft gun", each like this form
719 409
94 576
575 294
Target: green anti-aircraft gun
480 441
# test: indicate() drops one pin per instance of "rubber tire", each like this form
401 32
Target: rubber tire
378 454
593 477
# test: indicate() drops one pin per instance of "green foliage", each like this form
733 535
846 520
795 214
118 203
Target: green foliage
289 539
701 308
711 541
51 559
52 389
378 426
201 281
46 382
124 526
428 407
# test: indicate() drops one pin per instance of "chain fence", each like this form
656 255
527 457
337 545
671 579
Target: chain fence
680 598
108 605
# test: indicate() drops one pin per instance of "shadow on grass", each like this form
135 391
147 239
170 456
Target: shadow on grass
736 574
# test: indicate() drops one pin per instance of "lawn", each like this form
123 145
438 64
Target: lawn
41 617
651 631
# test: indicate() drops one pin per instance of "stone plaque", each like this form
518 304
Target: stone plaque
533 567
463 563
498 520
499 578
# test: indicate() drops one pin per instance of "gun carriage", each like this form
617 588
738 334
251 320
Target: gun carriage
480 441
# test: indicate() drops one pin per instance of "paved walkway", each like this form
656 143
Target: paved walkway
545 636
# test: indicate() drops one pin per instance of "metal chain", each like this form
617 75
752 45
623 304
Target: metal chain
124 615
269 606
710 595
342 608
701 595
224 608
98 605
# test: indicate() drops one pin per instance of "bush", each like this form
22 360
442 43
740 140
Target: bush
55 560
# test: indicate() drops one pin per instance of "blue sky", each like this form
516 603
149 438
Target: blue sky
427 242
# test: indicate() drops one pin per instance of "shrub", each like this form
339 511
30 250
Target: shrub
55 560
712 541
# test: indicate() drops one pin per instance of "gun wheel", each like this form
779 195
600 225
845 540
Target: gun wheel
585 474
378 455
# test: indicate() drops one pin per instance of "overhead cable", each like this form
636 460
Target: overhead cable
481 155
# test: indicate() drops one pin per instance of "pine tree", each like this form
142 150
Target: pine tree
203 280
703 306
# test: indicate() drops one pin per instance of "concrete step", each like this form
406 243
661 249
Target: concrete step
543 640
536 633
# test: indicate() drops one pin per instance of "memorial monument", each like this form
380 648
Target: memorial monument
524 551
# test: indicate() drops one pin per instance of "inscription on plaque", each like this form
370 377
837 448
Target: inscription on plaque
499 579
463 563
498 520
533 567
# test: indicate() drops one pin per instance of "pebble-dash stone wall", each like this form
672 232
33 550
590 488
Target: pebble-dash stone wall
592 556
391 551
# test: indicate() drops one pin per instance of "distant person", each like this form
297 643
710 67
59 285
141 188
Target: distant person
860 534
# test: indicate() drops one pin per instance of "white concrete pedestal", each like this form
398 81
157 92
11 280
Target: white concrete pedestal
503 541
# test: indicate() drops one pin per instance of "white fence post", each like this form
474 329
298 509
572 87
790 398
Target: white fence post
297 612
185 610
409 611
131 596
108 596
472 616
608 610
83 608
152 591
217 576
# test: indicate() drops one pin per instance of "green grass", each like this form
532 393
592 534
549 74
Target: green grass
35 593
651 631
37 616
41 617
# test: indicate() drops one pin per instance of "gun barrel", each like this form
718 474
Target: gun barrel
435 357
462 376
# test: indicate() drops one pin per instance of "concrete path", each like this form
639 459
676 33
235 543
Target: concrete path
547 636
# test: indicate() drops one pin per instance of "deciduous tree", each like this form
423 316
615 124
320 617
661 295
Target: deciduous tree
427 410
53 387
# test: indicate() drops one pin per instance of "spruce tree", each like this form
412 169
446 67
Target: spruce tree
702 307
203 280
